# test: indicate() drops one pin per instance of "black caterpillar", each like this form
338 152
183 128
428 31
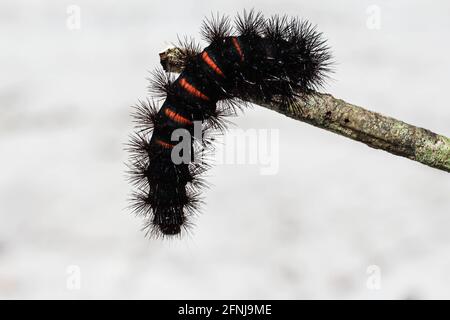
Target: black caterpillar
266 58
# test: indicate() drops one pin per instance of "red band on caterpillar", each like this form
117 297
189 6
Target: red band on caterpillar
176 117
192 90
211 64
164 144
238 48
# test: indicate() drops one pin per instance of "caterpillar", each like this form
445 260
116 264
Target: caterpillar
260 57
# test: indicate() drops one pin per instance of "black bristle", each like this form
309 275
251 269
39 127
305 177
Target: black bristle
276 28
215 28
144 115
250 24
160 83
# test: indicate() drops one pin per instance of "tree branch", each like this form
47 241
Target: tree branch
373 129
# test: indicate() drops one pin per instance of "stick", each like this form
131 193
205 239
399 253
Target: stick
373 129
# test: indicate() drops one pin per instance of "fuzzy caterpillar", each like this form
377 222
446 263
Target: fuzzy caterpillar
265 58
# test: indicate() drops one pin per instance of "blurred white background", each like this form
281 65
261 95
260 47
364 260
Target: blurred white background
335 208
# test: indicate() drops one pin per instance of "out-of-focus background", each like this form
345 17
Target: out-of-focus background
337 220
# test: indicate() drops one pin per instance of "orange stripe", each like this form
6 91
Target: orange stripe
192 90
211 64
164 144
238 47
176 117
